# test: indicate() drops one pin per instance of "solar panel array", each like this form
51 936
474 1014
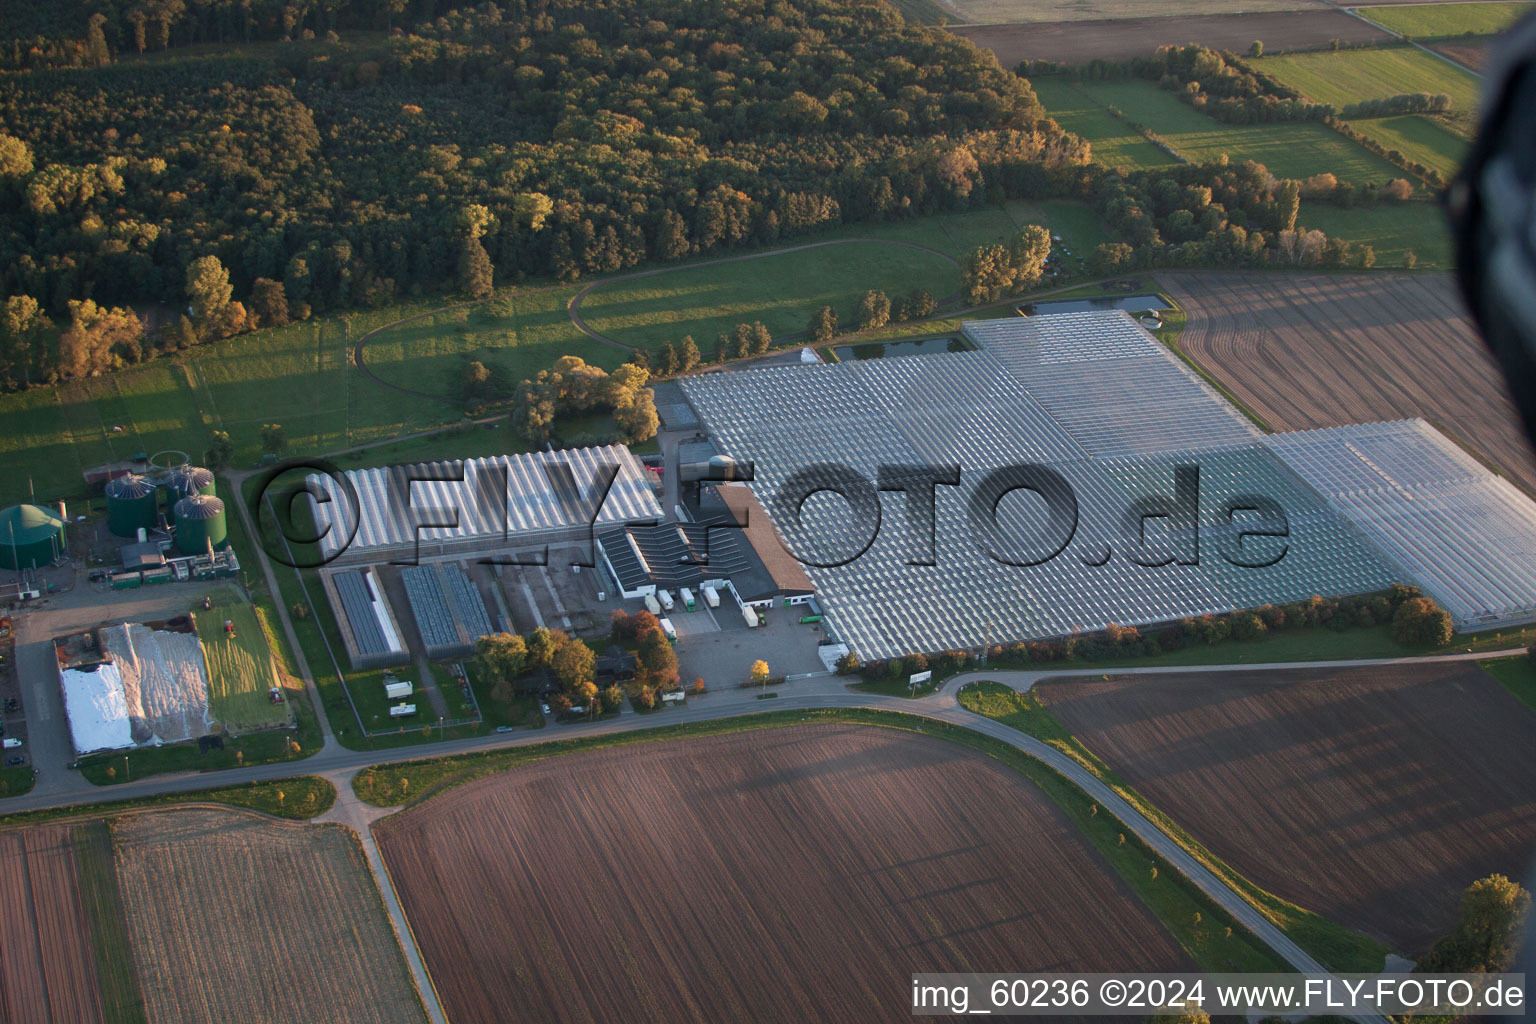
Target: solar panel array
964 409
467 605
434 619
488 498
1113 386
358 602
1466 536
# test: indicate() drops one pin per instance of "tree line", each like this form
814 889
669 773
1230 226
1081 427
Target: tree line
489 145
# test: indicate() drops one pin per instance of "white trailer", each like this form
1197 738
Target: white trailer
750 614
402 710
687 596
399 688
666 600
711 596
666 627
652 605
673 697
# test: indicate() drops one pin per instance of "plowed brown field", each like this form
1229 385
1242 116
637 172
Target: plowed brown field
1317 350
1372 795
235 918
794 874
47 968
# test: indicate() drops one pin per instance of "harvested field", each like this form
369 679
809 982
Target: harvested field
1077 42
1326 350
47 967
688 880
1471 54
239 918
1372 796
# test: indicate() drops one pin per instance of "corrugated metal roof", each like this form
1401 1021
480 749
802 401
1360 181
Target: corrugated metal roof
465 491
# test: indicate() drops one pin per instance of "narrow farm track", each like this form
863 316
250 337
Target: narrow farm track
1316 350
581 325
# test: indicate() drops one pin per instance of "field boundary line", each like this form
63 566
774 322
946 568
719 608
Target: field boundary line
1355 12
384 882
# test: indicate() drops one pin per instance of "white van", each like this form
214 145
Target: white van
11 743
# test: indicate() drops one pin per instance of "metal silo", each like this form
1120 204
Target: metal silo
199 522
30 537
131 505
186 481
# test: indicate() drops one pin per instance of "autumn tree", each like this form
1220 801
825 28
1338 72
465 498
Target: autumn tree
1420 622
15 157
823 325
475 271
24 330
874 310
220 450
269 301
687 354
542 644
98 336
500 656
273 437
214 315
758 674
573 664
1493 913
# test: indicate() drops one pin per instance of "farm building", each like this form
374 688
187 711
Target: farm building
507 501
1109 416
369 631
730 546
30 537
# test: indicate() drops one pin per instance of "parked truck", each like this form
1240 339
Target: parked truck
711 596
652 605
402 710
666 600
673 697
398 688
750 614
666 627
688 602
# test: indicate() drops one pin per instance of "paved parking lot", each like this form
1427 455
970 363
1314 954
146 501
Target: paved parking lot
724 657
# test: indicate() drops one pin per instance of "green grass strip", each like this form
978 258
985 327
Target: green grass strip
96 872
298 798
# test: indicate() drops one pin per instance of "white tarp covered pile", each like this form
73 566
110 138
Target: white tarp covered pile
98 711
164 681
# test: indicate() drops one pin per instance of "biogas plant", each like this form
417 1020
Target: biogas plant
1060 474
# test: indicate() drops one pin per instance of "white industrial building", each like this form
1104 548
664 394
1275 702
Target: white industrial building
1097 400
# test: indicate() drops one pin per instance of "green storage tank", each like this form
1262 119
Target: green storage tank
187 480
131 505
30 537
199 521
